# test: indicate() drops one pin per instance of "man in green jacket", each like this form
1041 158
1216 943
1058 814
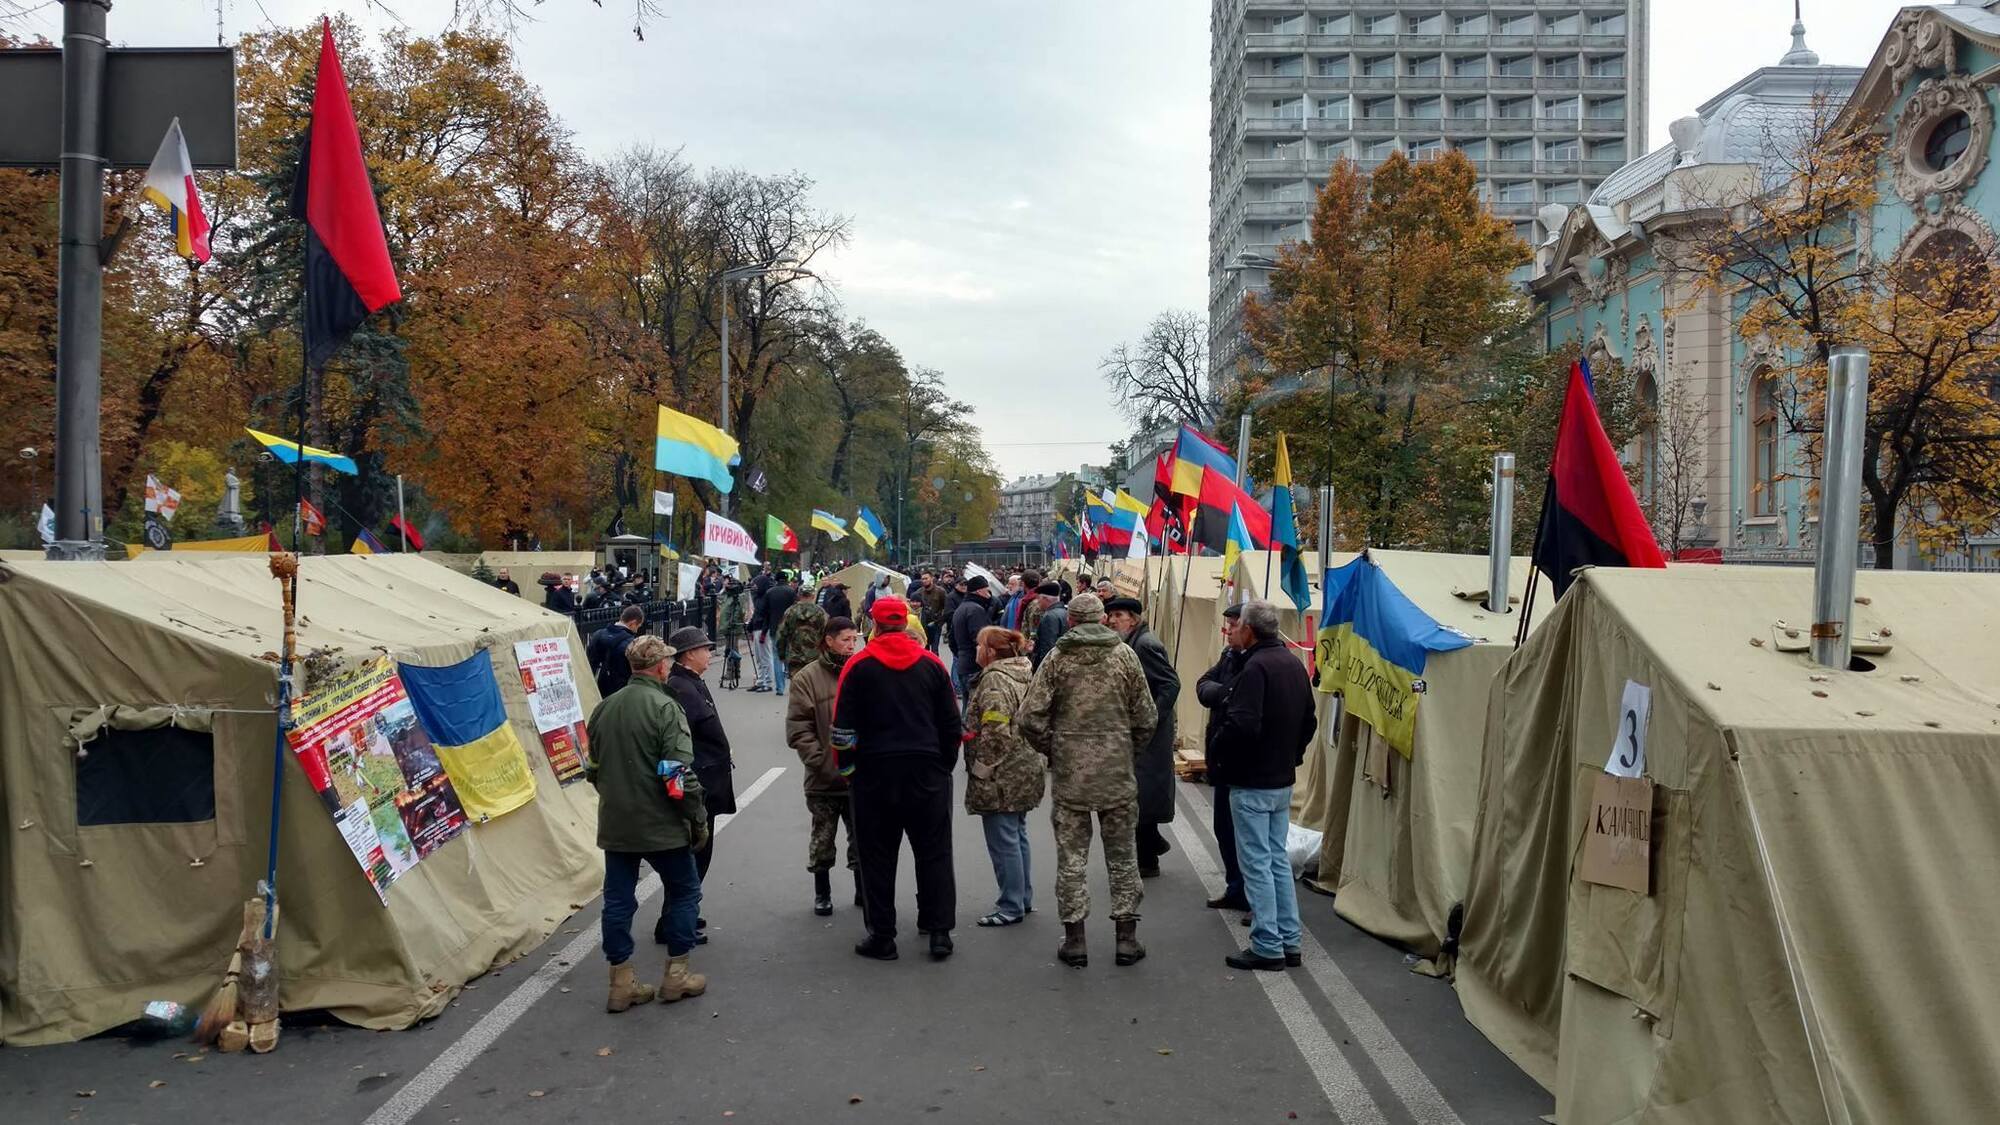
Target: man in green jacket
640 748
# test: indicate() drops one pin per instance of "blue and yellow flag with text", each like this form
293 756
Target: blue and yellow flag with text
459 706
867 526
1374 647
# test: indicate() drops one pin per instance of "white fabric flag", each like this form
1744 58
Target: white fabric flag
1138 548
725 539
663 503
47 525
688 582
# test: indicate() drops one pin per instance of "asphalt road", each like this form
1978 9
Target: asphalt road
796 1028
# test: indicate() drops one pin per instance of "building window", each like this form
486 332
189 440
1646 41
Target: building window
1647 447
1468 66
1522 24
1764 444
1567 149
1568 24
1515 191
1608 151
1290 66
1469 25
1468 107
1422 66
1607 108
1331 109
1526 232
1521 108
1474 149
1515 150
1514 66
1335 25
1288 25
1567 192
1333 66
1561 107
1381 150
1288 109
1378 25
1947 140
1432 24
1334 150
1607 66
1379 66
1428 149
1379 109
1426 107
1560 66
1613 24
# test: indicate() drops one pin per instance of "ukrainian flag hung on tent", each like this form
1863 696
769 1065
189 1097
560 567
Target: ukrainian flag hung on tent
459 706
689 447
1374 648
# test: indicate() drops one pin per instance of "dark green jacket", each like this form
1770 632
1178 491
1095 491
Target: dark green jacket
630 734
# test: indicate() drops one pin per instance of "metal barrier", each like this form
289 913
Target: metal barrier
662 617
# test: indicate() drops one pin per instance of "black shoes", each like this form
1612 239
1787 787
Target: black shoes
857 888
1229 902
822 894
879 947
1294 958
940 944
1149 870
1251 959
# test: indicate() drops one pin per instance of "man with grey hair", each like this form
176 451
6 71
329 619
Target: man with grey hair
1259 743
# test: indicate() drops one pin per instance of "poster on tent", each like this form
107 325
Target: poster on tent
369 761
548 678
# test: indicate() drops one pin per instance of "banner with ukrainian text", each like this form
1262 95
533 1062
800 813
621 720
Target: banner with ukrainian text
1374 648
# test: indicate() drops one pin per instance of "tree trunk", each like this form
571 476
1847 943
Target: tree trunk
1883 536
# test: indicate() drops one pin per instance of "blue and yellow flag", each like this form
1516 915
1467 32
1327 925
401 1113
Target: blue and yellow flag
1238 540
834 526
1374 648
1285 532
690 447
867 526
287 450
459 707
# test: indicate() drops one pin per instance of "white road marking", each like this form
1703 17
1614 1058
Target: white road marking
1344 1091
1412 1087
431 1081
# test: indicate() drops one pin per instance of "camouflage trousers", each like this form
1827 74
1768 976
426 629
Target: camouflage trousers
828 813
1118 828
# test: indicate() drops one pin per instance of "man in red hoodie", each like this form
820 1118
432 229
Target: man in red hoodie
895 735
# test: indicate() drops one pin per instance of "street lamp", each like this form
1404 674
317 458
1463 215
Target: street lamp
743 273
29 454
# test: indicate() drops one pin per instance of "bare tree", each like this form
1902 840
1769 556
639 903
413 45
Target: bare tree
1164 376
509 16
1672 455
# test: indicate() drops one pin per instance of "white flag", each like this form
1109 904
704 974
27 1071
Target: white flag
663 503
1138 548
47 525
170 184
725 539
161 500
688 581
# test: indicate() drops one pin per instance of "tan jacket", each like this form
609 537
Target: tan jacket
809 727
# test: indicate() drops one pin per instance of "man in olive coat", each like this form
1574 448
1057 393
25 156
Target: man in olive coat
1155 764
639 746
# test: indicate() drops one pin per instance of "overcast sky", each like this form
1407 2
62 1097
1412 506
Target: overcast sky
1028 179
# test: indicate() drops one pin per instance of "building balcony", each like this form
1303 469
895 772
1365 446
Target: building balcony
1375 40
1510 126
1508 82
1274 167
1344 39
1260 125
1276 209
1558 124
1259 42
1285 83
1603 126
1376 82
1605 83
1602 42
1514 209
1466 82
1329 82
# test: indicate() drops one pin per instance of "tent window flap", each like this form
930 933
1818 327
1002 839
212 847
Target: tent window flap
162 775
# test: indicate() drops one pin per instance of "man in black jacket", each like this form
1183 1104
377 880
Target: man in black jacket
1212 690
895 736
606 650
760 627
1262 738
1153 765
973 614
778 600
713 763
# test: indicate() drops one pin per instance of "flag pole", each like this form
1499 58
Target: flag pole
402 521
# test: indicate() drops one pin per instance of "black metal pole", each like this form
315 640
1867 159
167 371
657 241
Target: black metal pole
80 285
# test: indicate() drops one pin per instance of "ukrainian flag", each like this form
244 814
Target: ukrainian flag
1374 648
868 527
1125 501
288 451
834 526
1238 542
690 447
459 707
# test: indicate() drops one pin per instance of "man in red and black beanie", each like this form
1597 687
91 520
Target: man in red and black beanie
895 735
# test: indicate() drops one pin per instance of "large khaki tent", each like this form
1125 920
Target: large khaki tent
1184 604
97 920
524 567
861 575
1398 831
1825 855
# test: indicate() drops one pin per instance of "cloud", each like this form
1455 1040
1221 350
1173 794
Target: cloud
906 268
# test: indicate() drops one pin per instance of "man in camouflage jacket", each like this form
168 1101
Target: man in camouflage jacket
1089 711
799 633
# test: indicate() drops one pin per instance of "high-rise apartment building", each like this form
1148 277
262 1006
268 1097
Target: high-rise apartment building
1547 97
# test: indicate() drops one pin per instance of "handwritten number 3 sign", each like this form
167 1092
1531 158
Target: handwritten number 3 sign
1628 746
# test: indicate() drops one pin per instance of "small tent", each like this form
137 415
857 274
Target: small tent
137 729
1824 853
864 574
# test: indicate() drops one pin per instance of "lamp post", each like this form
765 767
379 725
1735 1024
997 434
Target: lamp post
31 455
742 273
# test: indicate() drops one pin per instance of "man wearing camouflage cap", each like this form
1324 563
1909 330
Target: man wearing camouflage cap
1089 712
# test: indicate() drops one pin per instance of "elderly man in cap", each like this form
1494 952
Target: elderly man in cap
1089 712
650 809
713 762
895 737
1155 763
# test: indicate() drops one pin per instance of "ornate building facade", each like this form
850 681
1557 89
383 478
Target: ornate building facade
1601 276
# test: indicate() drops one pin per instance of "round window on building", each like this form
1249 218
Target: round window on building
1947 140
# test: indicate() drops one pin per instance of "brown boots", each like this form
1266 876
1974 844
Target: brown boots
680 983
626 990
1129 951
1072 951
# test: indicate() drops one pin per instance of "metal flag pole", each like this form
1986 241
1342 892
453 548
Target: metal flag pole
402 520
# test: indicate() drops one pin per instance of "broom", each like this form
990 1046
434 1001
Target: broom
221 1010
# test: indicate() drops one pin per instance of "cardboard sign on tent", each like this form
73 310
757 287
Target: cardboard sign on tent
1814 948
127 871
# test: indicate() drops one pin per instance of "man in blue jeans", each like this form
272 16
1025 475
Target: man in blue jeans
1259 743
649 808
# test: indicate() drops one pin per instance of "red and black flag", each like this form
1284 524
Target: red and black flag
348 273
1219 495
1589 515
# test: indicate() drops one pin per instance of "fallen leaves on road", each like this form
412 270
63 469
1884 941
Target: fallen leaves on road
536 1093
979 1068
854 1099
155 1084
1163 1050
604 1052
565 988
86 1093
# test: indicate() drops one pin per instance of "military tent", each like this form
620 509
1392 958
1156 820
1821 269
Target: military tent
1823 846
112 900
864 574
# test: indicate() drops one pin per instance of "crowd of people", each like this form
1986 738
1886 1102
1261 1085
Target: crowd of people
1052 690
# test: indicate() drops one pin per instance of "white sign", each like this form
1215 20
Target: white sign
724 539
1628 745
689 583
663 503
546 677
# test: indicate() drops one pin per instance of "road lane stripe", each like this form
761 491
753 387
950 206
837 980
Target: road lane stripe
1345 1093
1412 1087
431 1081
